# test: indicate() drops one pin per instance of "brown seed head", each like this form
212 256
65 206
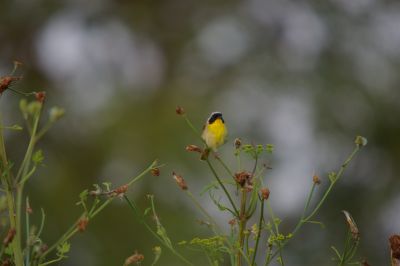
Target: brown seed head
82 224
135 258
155 171
40 96
242 178
180 181
352 225
9 237
238 143
394 241
6 262
232 222
316 179
365 263
120 191
193 148
264 193
6 82
179 110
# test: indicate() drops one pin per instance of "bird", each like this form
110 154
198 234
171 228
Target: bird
214 133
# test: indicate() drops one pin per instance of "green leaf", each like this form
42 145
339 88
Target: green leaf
63 249
269 148
146 211
107 185
37 157
83 195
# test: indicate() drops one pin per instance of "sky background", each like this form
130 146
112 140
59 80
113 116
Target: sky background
306 76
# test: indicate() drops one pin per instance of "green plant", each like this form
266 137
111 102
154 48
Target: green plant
247 195
23 243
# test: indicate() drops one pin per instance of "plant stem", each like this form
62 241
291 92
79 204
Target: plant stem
242 225
280 245
224 166
28 235
136 212
223 187
318 206
73 229
23 171
6 182
259 232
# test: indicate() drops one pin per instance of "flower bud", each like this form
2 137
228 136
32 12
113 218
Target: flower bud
56 113
179 110
352 225
120 191
155 171
238 143
394 242
265 193
180 181
242 178
194 148
134 259
9 237
6 82
360 141
40 96
316 179
82 224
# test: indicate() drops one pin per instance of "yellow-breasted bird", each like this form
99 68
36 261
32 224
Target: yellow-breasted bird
214 133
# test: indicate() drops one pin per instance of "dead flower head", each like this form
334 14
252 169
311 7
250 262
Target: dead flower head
155 171
6 82
232 222
120 191
238 143
180 181
136 258
352 225
243 178
179 110
9 237
394 242
265 193
194 148
82 224
40 96
316 179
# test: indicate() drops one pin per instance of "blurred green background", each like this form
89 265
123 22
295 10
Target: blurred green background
307 76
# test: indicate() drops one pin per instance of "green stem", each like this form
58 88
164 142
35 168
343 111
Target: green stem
136 212
280 245
195 131
223 187
225 166
23 171
73 229
242 225
28 235
5 180
346 245
258 233
339 174
314 212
